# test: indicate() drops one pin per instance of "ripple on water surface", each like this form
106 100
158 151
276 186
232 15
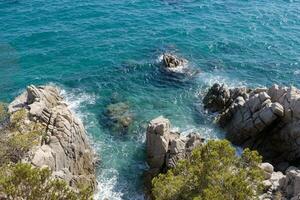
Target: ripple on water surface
94 49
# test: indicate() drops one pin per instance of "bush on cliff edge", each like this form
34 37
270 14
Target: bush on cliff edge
23 181
213 171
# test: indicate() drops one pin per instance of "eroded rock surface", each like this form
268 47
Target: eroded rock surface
281 186
165 148
172 61
265 119
64 146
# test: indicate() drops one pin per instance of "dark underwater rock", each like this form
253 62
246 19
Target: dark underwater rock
119 116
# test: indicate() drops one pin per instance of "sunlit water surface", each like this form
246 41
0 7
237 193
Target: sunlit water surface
97 50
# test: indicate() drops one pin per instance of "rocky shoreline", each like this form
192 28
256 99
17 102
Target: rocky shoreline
262 119
63 145
266 120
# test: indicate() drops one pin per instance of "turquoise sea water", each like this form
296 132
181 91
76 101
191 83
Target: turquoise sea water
98 49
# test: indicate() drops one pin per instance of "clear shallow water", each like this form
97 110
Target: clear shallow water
95 49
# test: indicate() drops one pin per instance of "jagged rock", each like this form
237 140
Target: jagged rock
165 148
64 146
267 120
172 64
172 61
157 141
217 98
292 183
279 185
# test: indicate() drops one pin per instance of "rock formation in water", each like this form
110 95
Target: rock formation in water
265 119
171 61
175 65
63 146
165 148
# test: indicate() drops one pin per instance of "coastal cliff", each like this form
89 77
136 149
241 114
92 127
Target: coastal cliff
261 119
266 120
165 148
61 143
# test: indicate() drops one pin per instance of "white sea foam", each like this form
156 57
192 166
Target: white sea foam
108 179
297 72
76 99
106 186
160 58
205 131
212 78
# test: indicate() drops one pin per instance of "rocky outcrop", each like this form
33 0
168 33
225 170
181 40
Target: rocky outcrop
165 148
63 146
172 61
281 186
175 65
265 119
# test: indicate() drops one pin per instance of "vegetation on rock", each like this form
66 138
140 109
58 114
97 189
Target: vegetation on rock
23 181
213 171
18 138
3 112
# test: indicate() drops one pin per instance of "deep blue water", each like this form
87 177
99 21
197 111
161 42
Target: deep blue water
97 49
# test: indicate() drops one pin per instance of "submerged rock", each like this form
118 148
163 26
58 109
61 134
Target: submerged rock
119 116
265 119
64 146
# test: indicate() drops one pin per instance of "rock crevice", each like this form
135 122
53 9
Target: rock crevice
265 119
165 147
64 146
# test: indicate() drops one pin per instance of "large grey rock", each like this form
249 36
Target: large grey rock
292 183
267 120
64 146
217 98
157 141
268 169
165 148
285 186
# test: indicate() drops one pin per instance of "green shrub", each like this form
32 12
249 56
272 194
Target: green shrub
19 144
22 181
3 112
17 120
19 136
213 171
